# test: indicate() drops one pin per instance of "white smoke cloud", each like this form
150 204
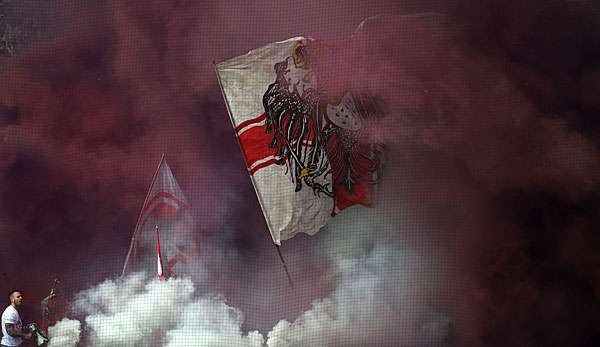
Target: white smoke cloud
376 303
137 311
64 333
211 322
378 300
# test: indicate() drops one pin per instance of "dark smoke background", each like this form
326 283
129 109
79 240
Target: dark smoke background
493 134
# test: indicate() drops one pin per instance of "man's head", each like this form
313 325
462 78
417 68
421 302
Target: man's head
15 298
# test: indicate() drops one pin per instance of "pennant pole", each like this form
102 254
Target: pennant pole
137 223
287 273
159 263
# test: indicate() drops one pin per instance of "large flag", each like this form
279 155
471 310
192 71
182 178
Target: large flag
307 153
163 233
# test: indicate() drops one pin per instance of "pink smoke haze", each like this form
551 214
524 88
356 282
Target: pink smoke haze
484 230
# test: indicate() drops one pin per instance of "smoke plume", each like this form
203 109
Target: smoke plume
484 228
137 311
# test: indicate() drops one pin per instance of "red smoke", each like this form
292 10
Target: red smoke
492 130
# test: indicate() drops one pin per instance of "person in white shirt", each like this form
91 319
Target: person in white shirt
12 333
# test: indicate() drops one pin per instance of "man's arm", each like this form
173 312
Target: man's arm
44 303
12 331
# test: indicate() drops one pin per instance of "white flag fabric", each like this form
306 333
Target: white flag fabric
164 230
165 199
307 157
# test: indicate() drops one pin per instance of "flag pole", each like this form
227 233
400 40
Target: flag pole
287 273
136 227
159 265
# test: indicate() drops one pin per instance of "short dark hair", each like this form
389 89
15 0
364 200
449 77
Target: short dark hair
12 292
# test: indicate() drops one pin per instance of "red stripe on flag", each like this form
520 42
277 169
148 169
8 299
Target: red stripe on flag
250 121
263 165
162 210
166 195
255 146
